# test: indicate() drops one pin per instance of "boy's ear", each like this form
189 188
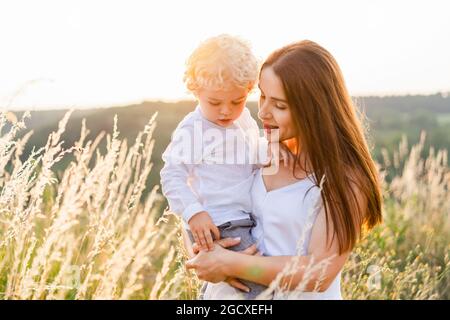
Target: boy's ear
195 93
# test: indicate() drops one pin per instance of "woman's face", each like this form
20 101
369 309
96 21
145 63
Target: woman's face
274 111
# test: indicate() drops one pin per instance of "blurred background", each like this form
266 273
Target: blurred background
97 229
127 58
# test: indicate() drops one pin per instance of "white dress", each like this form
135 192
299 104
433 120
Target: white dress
284 217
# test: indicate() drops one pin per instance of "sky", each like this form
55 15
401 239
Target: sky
101 53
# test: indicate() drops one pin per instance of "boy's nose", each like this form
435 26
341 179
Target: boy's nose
225 111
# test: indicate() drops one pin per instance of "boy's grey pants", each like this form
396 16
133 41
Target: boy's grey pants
232 229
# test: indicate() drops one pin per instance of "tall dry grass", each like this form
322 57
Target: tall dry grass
91 232
408 256
84 234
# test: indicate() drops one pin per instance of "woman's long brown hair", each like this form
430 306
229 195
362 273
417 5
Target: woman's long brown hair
331 134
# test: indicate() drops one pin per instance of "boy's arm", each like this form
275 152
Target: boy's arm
175 174
179 161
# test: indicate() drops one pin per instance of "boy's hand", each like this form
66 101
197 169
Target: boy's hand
202 228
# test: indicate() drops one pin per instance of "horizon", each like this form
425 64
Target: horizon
102 54
444 95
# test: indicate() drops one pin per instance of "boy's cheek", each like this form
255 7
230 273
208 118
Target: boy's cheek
208 113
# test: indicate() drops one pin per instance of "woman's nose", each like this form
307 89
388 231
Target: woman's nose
263 112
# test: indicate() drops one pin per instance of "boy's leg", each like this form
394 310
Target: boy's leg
242 228
237 228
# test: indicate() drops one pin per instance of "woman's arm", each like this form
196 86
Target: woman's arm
322 248
321 265
217 265
220 263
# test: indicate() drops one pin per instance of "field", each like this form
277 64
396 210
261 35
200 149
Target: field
97 230
444 119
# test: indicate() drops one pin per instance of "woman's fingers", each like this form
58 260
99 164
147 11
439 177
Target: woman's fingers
252 250
228 242
285 154
190 264
285 160
237 284
216 232
195 248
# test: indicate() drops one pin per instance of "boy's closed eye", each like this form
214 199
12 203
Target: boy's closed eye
217 103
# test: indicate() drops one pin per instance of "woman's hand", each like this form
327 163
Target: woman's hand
210 265
224 243
209 269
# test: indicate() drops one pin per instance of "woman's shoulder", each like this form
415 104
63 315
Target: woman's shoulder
311 192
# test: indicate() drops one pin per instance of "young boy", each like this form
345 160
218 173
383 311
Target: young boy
206 179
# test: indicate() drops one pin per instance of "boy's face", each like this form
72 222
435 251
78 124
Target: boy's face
222 107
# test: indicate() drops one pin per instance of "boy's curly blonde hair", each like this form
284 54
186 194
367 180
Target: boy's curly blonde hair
221 62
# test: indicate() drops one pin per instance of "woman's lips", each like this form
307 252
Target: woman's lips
268 130
269 127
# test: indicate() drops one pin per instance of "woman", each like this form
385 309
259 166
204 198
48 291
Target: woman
315 208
